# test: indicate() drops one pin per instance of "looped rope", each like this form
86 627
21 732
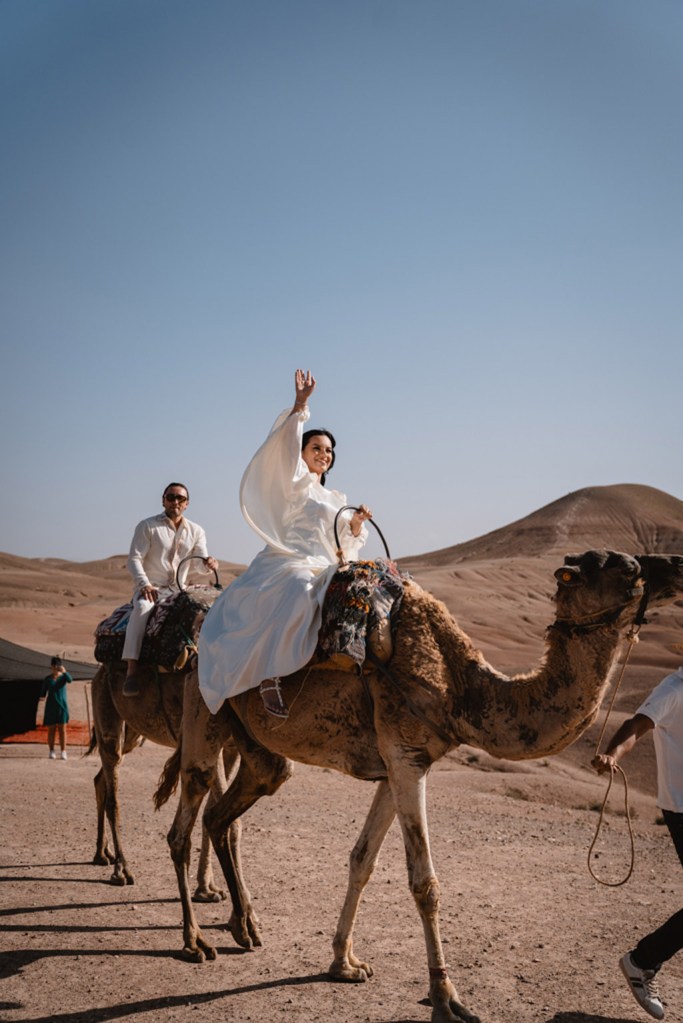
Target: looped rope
613 884
340 553
632 637
195 557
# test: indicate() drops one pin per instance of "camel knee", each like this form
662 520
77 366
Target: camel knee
196 783
266 772
280 772
428 896
262 777
178 844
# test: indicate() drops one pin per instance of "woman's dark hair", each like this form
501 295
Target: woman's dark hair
317 433
56 662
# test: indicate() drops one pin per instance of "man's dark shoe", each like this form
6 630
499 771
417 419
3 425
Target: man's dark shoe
131 687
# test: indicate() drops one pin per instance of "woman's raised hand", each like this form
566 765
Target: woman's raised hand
304 383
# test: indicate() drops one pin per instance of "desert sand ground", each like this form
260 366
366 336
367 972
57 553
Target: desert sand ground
530 936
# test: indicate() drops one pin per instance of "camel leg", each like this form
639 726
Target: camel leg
195 785
409 792
103 854
207 890
204 736
346 966
261 773
109 731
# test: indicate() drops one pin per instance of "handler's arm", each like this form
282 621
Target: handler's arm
622 742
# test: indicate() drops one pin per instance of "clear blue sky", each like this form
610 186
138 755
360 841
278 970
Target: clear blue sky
465 216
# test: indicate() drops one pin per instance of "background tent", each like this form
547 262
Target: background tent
21 677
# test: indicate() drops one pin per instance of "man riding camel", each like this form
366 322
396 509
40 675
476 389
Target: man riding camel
159 545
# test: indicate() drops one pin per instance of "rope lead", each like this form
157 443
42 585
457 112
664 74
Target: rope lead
632 637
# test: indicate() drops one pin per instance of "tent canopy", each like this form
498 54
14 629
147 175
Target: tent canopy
19 664
21 674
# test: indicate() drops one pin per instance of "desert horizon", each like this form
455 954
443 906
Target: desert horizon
497 586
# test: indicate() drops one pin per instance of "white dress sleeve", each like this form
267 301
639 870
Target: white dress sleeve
275 480
350 544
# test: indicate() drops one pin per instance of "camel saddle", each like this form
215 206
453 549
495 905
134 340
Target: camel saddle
360 614
171 633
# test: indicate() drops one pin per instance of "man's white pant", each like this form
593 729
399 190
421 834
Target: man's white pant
135 630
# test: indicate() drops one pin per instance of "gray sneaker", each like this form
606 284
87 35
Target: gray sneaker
643 985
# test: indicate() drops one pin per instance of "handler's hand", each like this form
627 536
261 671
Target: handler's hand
603 763
211 563
149 593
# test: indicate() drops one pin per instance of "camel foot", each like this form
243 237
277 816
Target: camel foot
455 1013
245 930
121 878
103 859
199 952
351 970
209 893
447 1008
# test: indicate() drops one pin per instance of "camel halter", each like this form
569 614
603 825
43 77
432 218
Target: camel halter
632 637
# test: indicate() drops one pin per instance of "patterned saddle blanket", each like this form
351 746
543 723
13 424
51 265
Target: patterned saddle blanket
360 611
171 634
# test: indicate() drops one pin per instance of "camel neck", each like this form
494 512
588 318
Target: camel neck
524 717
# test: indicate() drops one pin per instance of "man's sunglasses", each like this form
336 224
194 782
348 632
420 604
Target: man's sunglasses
175 497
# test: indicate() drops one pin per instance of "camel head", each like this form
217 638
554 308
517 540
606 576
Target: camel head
663 574
605 587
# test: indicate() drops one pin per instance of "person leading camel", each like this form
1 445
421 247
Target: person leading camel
662 711
265 625
159 545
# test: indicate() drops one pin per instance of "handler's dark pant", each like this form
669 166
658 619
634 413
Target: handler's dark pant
654 949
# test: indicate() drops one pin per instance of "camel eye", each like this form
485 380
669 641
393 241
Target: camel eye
567 577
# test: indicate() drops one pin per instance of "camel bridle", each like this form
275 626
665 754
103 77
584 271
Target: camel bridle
607 616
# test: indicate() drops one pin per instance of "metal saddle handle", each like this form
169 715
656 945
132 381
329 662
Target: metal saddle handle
194 557
340 553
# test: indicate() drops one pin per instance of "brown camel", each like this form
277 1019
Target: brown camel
121 724
438 692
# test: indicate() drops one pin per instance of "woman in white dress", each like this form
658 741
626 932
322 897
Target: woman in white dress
265 624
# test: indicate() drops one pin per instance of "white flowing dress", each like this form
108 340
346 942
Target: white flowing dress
266 622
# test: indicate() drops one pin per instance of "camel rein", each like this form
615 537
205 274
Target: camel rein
632 637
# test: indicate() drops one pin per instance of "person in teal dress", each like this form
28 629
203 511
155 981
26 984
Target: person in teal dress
56 706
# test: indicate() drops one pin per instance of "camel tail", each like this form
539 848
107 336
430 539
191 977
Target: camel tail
168 782
93 744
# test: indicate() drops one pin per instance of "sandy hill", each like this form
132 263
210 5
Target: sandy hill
53 605
498 585
626 517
